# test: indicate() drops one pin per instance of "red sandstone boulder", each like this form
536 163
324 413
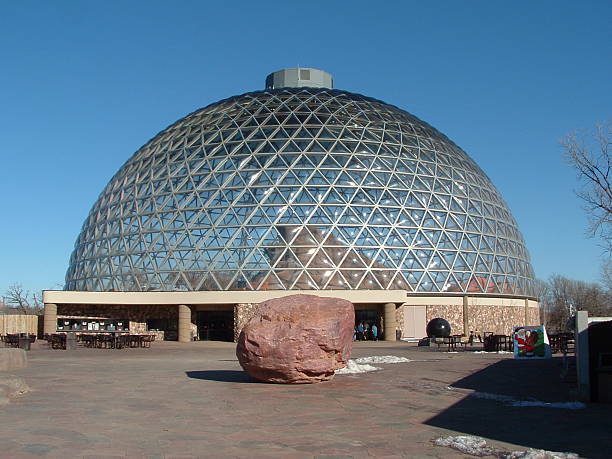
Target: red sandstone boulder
297 339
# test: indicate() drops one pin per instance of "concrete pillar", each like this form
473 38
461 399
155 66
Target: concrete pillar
582 356
50 319
390 322
527 312
466 321
184 323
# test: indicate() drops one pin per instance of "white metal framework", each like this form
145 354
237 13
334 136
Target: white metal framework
300 188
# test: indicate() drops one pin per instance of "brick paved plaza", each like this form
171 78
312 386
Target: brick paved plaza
193 400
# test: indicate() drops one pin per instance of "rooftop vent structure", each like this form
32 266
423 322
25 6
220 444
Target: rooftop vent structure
299 78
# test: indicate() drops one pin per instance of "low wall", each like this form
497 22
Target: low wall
12 359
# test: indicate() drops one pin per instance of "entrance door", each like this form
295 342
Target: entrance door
367 317
216 325
415 322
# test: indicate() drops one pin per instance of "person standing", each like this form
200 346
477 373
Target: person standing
374 332
360 330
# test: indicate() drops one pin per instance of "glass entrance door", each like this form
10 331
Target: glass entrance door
216 325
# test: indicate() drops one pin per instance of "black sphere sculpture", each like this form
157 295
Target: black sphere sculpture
438 328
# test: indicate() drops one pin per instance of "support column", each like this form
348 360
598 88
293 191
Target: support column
466 318
390 322
50 319
526 312
184 323
582 356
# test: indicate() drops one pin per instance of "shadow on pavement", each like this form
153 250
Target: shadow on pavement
582 431
221 375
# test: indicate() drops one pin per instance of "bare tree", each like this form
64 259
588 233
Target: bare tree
564 297
542 292
606 274
589 154
23 301
37 303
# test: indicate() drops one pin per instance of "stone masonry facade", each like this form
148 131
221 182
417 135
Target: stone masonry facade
243 312
497 319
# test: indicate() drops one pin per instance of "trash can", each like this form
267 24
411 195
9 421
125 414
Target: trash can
24 342
71 341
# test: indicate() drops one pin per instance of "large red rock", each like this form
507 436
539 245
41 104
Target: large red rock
297 339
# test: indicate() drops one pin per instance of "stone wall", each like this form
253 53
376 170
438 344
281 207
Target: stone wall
243 312
533 316
496 319
399 318
501 319
452 313
485 318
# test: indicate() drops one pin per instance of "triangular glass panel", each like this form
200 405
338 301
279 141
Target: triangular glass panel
427 284
333 280
369 282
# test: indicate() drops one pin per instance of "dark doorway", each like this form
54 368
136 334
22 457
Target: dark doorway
168 326
216 325
367 318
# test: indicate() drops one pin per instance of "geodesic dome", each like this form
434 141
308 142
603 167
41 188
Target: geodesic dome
300 188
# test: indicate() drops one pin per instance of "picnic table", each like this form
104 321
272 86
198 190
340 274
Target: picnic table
450 342
103 340
561 342
497 343
21 340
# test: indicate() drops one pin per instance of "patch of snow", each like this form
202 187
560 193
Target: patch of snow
563 405
382 359
361 364
477 446
497 397
540 454
467 444
515 402
353 368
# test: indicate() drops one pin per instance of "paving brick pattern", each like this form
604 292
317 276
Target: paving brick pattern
193 400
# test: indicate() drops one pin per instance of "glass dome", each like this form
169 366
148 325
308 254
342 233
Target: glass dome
300 188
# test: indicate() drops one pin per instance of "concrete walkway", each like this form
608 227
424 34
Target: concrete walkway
193 400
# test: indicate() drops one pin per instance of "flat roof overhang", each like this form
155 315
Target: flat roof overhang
215 297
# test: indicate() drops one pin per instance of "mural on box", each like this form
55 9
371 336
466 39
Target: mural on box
531 342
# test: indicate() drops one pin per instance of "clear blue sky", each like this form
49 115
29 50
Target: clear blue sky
84 84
